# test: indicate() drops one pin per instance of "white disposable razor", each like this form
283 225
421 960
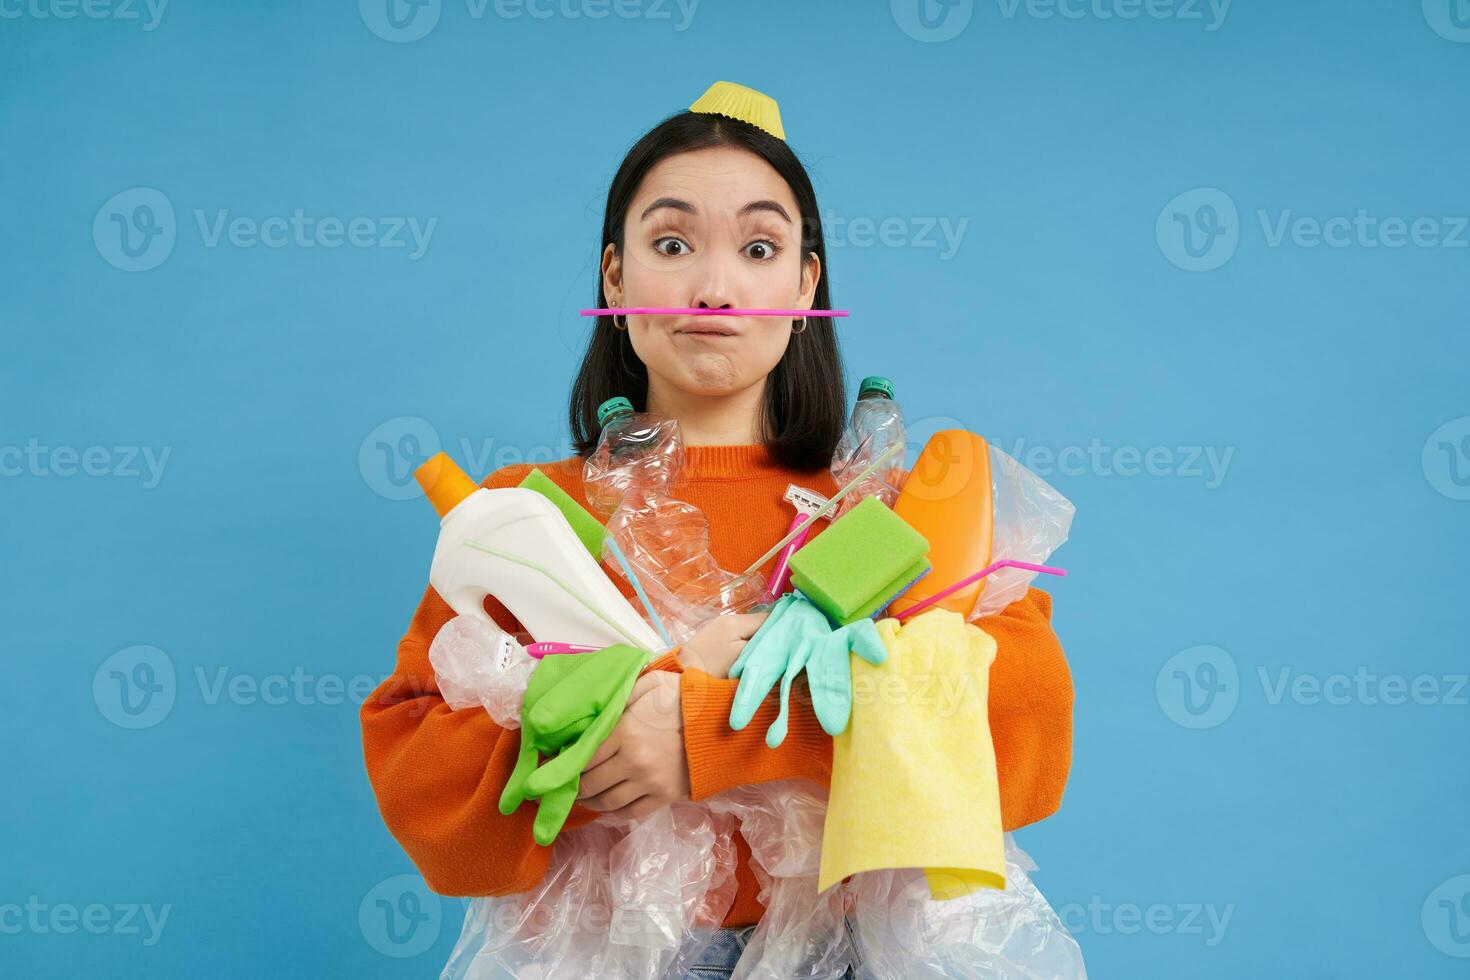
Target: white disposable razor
806 503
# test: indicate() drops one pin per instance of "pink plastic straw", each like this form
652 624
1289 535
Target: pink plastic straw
971 579
703 311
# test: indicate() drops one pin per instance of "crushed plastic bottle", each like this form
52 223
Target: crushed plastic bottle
629 478
875 425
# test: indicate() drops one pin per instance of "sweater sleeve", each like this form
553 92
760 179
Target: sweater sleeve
1030 721
720 758
438 773
1030 710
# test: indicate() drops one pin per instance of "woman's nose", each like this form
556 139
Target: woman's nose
714 287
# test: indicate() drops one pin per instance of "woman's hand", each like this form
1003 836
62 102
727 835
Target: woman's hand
715 645
642 765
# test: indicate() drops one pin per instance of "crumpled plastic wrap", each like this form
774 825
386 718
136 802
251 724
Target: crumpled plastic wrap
478 664
641 902
638 902
1031 520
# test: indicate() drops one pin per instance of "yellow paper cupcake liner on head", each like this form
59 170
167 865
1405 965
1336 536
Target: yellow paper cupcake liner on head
742 103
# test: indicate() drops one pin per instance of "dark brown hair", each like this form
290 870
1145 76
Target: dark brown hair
805 401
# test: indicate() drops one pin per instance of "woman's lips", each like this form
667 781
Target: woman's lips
706 330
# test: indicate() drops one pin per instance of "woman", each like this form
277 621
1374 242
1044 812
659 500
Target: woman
706 211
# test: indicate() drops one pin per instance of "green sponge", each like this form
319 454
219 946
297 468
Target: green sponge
588 528
859 564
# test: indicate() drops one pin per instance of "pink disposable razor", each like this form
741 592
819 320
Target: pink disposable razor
539 650
806 503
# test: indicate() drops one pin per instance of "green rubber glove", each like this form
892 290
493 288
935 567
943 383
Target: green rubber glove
572 702
797 636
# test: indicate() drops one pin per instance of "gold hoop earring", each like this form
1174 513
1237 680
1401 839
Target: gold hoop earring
615 323
801 328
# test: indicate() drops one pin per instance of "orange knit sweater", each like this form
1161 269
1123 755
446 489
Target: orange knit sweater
438 773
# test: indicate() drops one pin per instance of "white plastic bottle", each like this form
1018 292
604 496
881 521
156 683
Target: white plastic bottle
512 521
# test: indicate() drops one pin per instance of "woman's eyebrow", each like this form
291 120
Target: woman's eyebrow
764 206
668 202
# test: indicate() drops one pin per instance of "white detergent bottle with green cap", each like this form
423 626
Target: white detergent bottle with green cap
514 544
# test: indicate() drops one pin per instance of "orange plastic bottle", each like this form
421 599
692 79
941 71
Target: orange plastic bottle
948 498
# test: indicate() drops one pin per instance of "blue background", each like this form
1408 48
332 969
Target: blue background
273 541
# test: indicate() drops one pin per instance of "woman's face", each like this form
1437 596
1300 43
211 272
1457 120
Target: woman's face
712 228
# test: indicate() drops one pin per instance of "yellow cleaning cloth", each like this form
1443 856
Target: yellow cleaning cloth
913 777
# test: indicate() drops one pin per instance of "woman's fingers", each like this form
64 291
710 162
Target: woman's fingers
639 808
605 752
601 779
746 624
615 797
643 685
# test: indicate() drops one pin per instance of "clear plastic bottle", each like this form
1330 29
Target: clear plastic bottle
875 425
630 478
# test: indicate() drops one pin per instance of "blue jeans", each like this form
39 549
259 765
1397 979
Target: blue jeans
720 957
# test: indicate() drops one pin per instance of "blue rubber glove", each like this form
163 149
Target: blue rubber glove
795 636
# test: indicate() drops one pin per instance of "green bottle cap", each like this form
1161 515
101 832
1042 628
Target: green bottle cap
876 383
613 406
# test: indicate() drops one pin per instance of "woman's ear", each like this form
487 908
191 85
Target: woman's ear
612 274
811 274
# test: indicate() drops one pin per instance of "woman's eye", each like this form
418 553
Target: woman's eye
671 247
761 251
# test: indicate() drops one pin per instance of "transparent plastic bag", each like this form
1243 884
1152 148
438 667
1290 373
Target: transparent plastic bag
618 902
883 924
900 933
801 934
642 901
1031 520
478 664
